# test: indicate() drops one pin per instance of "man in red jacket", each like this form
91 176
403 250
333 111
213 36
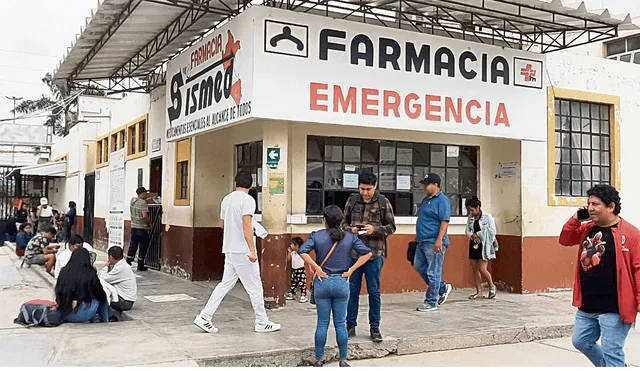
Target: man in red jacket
607 284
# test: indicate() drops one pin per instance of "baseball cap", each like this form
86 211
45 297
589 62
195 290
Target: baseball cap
44 201
431 178
141 190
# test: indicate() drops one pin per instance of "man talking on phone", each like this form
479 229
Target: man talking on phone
607 281
370 215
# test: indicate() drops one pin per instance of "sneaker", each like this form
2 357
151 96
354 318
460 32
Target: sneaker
443 298
142 268
205 325
426 308
343 364
289 296
376 336
303 299
351 331
318 364
268 327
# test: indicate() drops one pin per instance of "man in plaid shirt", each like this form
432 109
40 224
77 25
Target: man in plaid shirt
370 215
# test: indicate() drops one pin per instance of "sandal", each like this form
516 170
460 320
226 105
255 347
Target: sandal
474 296
492 294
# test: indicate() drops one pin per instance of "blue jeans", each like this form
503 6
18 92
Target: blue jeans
371 271
87 312
429 265
331 295
589 328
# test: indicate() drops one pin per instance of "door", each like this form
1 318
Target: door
89 204
155 176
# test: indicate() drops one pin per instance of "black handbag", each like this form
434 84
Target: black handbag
411 251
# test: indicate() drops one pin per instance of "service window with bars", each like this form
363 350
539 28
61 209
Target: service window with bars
582 146
249 159
333 165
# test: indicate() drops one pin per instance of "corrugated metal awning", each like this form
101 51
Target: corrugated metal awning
133 39
56 169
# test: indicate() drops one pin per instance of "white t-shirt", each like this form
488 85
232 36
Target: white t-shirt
45 213
296 260
234 206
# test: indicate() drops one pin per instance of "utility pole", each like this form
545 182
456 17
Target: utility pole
14 99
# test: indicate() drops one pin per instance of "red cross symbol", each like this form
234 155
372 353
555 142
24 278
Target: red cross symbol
529 73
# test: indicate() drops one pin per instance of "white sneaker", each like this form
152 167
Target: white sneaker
205 325
268 327
443 298
427 308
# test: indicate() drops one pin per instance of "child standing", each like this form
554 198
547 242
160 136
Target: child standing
298 274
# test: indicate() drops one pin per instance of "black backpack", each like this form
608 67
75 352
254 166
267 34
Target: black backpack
41 313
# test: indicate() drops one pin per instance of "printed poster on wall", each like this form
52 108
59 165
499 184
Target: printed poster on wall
116 198
209 86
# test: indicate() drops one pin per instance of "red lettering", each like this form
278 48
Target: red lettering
391 103
315 98
431 111
368 102
474 120
412 109
345 102
451 110
501 116
487 113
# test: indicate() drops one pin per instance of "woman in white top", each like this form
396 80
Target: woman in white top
44 213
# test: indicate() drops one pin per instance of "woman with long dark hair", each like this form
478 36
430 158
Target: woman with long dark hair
332 270
483 245
79 294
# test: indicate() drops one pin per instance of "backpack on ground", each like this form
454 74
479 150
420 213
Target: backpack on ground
38 312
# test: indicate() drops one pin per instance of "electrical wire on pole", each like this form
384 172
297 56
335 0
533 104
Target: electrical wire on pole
14 99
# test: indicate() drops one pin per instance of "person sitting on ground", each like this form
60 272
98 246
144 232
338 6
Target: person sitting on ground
38 251
23 238
79 294
62 258
118 274
332 269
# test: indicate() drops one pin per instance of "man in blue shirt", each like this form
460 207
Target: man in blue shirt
432 238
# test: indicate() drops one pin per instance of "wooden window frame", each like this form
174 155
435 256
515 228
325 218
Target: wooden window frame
183 154
614 135
117 139
134 128
102 152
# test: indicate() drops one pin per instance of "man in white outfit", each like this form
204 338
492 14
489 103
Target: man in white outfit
241 258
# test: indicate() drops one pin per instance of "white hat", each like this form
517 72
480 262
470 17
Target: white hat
44 201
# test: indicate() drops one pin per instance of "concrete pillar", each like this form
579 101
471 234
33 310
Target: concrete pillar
276 206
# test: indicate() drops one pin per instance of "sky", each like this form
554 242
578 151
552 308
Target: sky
35 34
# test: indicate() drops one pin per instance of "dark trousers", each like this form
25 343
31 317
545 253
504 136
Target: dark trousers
67 231
371 271
122 305
139 237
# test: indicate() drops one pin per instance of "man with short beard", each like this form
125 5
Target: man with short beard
607 281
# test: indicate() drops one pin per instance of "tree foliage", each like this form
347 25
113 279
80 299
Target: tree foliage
61 109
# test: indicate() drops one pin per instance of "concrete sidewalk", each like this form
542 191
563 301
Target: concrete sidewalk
161 330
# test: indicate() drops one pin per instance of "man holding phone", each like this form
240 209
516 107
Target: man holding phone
607 281
369 215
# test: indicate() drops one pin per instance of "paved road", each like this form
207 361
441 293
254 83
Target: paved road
547 353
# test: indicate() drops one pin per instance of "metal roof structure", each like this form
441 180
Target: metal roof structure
56 169
125 44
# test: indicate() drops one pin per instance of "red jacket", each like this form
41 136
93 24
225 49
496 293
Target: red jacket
627 245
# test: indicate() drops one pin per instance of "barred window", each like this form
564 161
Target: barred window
582 149
249 159
333 165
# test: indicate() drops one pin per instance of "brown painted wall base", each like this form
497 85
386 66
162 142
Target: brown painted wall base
532 264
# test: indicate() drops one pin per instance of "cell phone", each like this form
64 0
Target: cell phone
583 214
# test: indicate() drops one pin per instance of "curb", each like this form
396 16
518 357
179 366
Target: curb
390 346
